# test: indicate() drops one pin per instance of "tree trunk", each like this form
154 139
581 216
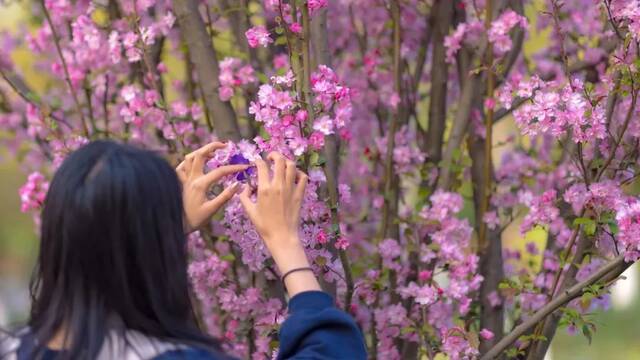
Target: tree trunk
203 57
439 77
471 86
491 264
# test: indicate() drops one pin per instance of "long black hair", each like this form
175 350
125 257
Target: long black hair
113 246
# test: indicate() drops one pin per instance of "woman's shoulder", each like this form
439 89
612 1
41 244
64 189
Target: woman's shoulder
189 354
9 343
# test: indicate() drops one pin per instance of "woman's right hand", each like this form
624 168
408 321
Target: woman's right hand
276 216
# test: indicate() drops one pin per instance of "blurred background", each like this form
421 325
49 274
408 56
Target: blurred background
617 329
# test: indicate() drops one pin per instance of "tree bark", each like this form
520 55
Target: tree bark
237 14
203 57
471 87
491 263
322 56
239 22
439 77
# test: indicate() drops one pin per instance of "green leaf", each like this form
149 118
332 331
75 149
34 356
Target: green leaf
262 77
514 353
228 257
588 87
407 330
281 40
456 154
588 225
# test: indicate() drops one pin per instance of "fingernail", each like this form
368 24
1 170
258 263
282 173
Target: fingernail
236 187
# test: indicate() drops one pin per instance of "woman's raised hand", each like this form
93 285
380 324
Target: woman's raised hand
198 209
276 216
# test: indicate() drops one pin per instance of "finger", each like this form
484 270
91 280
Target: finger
218 173
201 155
290 174
180 170
263 173
188 165
249 206
212 206
205 149
303 179
278 167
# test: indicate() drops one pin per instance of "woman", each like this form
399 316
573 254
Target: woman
111 277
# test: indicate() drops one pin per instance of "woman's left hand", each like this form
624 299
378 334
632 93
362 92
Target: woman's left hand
198 209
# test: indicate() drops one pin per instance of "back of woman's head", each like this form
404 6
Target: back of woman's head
112 247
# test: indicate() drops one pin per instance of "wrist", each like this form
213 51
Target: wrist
282 239
289 257
301 281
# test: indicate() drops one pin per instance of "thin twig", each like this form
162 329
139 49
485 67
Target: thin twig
56 40
625 125
487 166
608 272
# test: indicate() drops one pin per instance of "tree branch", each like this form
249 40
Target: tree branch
490 265
607 273
390 194
56 41
625 125
203 57
439 77
460 124
331 149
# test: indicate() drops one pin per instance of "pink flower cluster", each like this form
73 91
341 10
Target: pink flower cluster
542 209
287 124
139 107
628 12
500 28
258 36
471 32
33 192
556 112
210 277
233 74
406 155
454 42
133 41
628 218
599 197
315 5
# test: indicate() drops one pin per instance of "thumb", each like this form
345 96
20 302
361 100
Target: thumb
213 205
249 206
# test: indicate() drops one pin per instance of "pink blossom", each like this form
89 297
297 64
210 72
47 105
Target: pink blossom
486 334
342 243
499 31
324 124
542 210
494 299
258 35
225 93
316 140
295 28
492 220
33 192
315 5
